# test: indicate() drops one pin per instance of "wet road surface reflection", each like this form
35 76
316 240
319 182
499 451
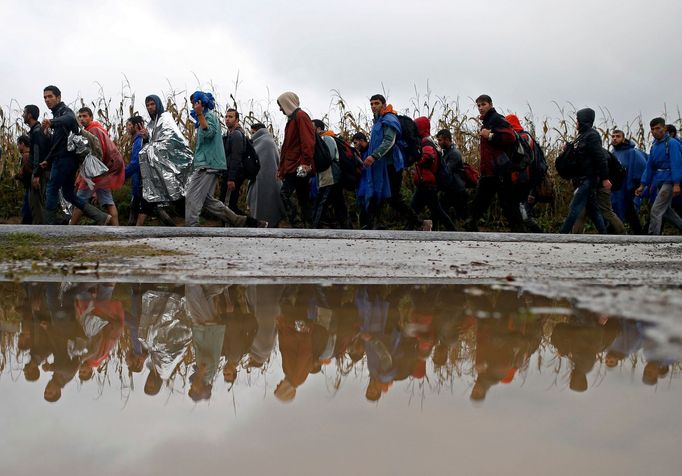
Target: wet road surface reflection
404 377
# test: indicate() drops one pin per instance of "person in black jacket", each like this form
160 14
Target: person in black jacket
38 149
235 143
64 163
456 195
591 165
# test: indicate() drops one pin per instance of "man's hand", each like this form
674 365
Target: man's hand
368 162
198 108
43 164
639 190
46 123
35 183
676 190
485 133
606 184
231 185
306 168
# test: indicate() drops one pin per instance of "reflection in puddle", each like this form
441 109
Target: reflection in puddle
190 339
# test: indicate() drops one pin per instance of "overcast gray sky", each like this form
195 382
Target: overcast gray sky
621 55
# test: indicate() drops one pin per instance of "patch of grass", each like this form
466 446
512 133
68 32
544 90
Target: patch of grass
109 252
31 246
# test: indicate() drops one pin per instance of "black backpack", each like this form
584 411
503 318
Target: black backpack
566 163
250 160
322 157
617 172
521 155
409 140
350 165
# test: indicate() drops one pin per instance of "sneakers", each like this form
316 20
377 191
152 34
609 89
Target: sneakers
427 225
262 224
107 220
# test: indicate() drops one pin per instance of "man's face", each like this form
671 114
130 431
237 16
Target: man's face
360 145
50 99
84 118
483 107
25 116
23 149
151 108
130 129
617 139
231 119
658 131
281 108
443 142
376 106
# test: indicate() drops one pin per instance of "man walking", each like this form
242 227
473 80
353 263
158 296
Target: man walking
38 148
456 195
235 144
663 170
591 166
496 140
209 162
383 175
104 184
296 160
64 163
634 162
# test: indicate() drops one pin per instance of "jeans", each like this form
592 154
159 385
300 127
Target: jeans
604 202
661 209
62 177
584 198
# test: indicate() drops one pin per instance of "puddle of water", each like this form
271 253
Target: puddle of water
103 378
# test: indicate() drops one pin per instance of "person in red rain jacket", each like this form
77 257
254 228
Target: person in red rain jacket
424 176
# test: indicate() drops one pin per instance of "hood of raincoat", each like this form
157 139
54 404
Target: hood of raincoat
423 126
585 118
289 102
159 105
514 121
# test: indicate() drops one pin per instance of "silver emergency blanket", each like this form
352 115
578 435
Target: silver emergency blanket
165 161
165 332
91 166
77 143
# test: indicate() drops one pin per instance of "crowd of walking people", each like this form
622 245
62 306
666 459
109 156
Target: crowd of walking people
188 338
70 164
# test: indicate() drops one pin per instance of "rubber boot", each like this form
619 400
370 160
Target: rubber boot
95 214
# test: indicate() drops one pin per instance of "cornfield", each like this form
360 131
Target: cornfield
344 119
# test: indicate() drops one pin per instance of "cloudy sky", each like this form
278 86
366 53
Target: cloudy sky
623 56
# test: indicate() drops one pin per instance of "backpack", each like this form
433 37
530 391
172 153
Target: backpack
470 176
250 160
322 157
410 142
350 165
566 163
521 155
617 172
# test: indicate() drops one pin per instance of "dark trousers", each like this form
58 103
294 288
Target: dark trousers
456 199
331 195
508 197
425 196
300 185
62 177
234 195
396 201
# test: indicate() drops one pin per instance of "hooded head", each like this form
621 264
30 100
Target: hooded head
423 126
207 101
585 118
429 152
289 102
514 121
159 105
